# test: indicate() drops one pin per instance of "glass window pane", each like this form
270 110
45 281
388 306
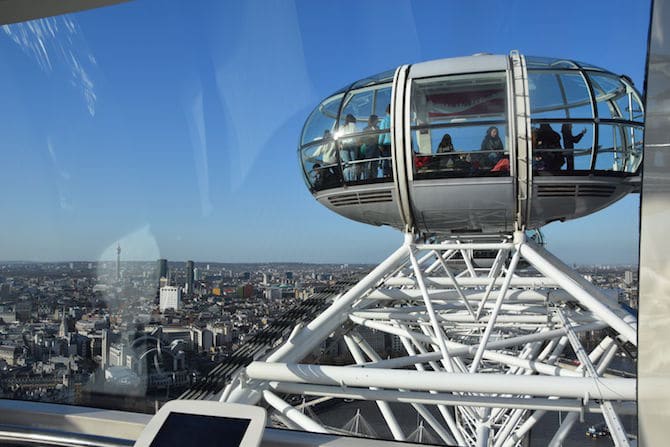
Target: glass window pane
359 106
322 119
611 96
382 101
548 62
633 145
460 98
558 95
366 157
577 98
562 147
460 151
380 78
545 96
610 154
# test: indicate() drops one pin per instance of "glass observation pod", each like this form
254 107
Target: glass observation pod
478 144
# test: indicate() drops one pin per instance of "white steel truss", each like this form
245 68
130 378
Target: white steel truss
491 341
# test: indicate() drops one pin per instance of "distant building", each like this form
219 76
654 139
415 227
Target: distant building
189 277
222 333
170 298
202 339
628 277
289 276
10 353
245 291
246 276
196 274
162 268
5 290
273 293
23 310
117 355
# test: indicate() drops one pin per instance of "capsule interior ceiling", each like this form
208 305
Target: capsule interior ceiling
478 144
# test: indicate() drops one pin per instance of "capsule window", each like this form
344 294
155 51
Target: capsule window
619 148
320 165
562 147
459 99
612 97
360 105
558 95
322 120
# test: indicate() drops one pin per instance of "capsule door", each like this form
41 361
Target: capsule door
457 148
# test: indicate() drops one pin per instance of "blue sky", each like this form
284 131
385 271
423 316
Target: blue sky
173 126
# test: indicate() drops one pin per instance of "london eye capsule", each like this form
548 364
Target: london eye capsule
479 144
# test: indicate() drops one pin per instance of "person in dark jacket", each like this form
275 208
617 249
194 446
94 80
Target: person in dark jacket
569 141
548 139
491 142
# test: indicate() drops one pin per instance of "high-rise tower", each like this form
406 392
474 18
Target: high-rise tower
189 277
162 269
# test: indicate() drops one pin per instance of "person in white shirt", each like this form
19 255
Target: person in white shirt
348 148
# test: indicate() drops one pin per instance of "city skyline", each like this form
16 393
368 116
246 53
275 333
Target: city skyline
191 153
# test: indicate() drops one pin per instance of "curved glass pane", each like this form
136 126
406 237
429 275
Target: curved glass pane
558 95
619 148
612 97
322 120
362 105
458 99
638 110
320 165
381 78
548 62
460 151
357 109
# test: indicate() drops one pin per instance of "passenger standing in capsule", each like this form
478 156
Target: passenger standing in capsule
385 142
328 173
348 148
370 148
548 139
569 141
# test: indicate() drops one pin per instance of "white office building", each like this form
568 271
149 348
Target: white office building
170 297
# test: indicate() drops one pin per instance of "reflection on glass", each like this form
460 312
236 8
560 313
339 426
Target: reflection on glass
558 95
322 119
460 98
